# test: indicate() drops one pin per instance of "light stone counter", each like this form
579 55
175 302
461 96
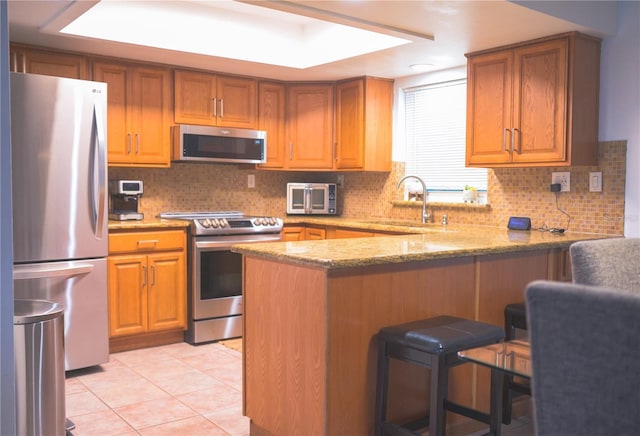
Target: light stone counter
147 224
422 242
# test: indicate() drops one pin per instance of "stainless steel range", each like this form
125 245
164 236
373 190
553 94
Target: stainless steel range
214 297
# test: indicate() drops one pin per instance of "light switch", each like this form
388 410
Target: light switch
595 181
251 181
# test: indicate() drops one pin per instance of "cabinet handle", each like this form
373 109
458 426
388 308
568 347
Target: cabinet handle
153 275
335 151
149 243
137 143
504 140
129 143
215 107
222 108
513 138
291 151
144 275
15 62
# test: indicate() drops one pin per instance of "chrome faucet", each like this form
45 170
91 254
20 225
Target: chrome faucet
425 215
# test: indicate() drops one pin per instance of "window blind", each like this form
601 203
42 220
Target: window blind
435 133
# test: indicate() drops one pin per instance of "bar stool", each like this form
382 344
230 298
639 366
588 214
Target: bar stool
432 343
515 317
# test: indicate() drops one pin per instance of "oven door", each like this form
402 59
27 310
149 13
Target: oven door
216 275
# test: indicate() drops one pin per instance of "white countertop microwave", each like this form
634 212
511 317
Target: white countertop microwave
312 198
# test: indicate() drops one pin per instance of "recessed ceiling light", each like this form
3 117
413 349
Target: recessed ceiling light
229 29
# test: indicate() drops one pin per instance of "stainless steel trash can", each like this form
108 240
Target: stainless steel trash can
38 335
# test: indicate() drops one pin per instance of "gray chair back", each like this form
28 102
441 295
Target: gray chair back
611 263
585 353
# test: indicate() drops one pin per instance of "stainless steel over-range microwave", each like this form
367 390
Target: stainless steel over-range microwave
218 144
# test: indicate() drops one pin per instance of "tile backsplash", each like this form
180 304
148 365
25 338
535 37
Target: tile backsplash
511 192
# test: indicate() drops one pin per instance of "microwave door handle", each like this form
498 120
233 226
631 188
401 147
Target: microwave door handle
307 200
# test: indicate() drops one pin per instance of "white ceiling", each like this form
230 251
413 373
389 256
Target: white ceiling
458 27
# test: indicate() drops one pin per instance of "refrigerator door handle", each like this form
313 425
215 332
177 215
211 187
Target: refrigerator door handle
98 202
47 270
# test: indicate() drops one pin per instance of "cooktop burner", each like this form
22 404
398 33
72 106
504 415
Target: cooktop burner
226 222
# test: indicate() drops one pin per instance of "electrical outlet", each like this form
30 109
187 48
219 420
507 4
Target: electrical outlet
564 179
251 181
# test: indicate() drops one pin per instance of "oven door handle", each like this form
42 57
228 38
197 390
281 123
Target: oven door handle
226 243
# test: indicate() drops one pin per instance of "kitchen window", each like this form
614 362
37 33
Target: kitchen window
435 123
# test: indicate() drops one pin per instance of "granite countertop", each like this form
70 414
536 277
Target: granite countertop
147 224
422 242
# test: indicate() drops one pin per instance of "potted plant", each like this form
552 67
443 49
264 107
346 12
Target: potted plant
469 194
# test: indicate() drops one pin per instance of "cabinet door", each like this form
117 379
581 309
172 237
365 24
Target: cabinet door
350 124
540 102
310 126
195 98
489 108
49 63
127 295
167 291
271 118
151 96
312 233
119 138
293 233
237 102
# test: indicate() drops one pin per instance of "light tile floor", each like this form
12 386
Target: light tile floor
179 389
176 389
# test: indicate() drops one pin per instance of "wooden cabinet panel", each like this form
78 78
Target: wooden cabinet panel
138 113
147 289
534 104
310 126
195 98
293 233
167 299
146 241
311 233
271 118
127 295
48 63
215 100
238 102
364 124
338 233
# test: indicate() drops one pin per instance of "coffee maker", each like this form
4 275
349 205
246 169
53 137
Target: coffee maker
124 196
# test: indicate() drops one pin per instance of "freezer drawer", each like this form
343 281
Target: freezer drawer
81 287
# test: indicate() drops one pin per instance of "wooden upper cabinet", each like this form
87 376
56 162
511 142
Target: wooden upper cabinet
271 118
215 100
534 104
310 126
138 113
364 124
48 63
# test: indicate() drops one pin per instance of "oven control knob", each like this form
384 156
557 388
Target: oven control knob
223 223
272 221
205 223
214 223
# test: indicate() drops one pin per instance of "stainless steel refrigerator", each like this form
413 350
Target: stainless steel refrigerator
59 179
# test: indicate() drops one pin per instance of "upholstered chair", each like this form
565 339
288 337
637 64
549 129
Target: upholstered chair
611 262
585 355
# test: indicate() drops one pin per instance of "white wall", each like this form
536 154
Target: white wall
620 102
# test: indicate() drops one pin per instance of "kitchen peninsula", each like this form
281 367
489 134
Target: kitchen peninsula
313 308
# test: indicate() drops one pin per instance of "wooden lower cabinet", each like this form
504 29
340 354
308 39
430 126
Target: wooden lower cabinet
316 328
293 233
147 288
